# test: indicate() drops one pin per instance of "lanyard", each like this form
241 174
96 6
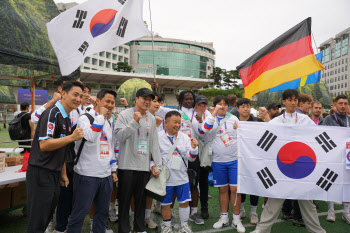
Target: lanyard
217 120
138 130
172 143
296 117
347 120
192 115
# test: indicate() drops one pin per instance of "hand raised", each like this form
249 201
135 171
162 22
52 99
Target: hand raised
77 134
137 116
194 143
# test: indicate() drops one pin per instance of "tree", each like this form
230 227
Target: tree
217 76
230 78
123 67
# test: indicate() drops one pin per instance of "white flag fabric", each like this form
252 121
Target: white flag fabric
294 161
92 27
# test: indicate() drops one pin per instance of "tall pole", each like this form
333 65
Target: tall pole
32 90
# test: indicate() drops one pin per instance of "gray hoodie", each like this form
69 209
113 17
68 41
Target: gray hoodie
127 134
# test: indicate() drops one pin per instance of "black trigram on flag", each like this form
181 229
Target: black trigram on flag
326 143
267 140
122 1
122 27
83 47
327 179
80 16
266 177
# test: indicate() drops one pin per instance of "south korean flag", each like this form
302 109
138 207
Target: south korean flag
301 162
92 27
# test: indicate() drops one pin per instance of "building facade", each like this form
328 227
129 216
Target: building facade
336 56
172 57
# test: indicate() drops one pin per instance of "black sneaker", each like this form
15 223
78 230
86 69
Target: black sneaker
298 222
204 213
286 216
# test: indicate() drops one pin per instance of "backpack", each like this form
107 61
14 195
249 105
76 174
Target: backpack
16 130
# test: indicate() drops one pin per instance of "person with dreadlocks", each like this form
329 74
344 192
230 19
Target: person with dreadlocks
186 102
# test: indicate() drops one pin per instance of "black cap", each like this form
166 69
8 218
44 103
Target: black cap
143 92
273 105
202 99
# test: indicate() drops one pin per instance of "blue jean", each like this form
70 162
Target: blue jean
87 190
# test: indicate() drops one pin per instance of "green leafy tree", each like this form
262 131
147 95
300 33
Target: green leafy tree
123 67
217 76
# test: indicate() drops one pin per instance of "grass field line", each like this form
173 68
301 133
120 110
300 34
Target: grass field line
250 225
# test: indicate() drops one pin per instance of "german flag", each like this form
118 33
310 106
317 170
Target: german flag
288 57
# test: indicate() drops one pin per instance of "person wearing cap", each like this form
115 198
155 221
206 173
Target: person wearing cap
273 110
136 132
201 113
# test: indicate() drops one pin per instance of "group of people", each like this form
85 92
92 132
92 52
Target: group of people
80 151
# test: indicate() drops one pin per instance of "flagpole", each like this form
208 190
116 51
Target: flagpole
150 17
314 41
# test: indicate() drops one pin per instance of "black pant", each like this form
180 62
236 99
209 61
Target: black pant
289 205
64 206
43 189
204 186
132 183
254 200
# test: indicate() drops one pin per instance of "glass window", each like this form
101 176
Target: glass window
342 69
336 64
345 46
143 42
346 84
114 57
342 61
120 49
338 86
108 64
335 71
346 68
338 78
181 45
346 76
163 43
126 51
342 77
326 55
120 58
332 54
101 63
337 49
341 85
126 59
108 55
196 47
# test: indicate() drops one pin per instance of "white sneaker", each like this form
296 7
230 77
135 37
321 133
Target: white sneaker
346 217
113 217
256 231
109 229
166 229
150 223
157 209
185 229
221 223
254 218
238 226
330 216
242 214
50 228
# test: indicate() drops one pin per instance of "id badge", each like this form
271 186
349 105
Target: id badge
226 139
176 162
142 146
104 151
347 164
187 132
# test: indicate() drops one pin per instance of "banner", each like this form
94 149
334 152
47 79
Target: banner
293 162
24 95
94 26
